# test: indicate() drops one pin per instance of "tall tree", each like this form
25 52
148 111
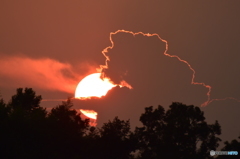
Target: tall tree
4 127
68 118
67 131
24 125
234 145
26 100
4 111
116 141
180 132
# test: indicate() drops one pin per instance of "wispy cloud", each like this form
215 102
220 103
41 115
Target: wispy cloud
44 73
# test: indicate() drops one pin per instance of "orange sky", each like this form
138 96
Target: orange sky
67 37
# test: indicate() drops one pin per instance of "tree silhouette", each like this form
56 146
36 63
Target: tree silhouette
176 133
4 127
26 100
4 111
65 116
67 131
22 121
234 145
29 131
116 139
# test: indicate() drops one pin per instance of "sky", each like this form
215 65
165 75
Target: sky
51 45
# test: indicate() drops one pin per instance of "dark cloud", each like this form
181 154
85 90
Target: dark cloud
155 78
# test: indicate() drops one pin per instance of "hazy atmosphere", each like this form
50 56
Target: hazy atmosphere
51 46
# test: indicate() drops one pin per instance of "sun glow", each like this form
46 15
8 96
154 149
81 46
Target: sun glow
89 113
93 86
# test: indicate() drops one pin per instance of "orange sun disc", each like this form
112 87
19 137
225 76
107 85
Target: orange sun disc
93 86
89 113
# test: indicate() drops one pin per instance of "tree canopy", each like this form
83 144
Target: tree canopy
180 132
29 131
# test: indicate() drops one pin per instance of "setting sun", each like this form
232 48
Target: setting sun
93 86
90 114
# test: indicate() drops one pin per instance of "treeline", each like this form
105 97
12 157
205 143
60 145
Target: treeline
27 130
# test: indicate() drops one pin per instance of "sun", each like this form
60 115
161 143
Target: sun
93 86
89 114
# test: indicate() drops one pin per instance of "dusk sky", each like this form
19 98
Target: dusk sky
51 45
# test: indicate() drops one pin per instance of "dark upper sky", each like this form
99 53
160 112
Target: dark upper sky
51 45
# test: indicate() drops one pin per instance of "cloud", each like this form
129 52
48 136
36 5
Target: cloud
156 79
43 73
142 61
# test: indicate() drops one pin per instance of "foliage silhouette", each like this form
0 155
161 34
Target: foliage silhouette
117 138
234 145
176 133
68 130
20 130
29 131
26 100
